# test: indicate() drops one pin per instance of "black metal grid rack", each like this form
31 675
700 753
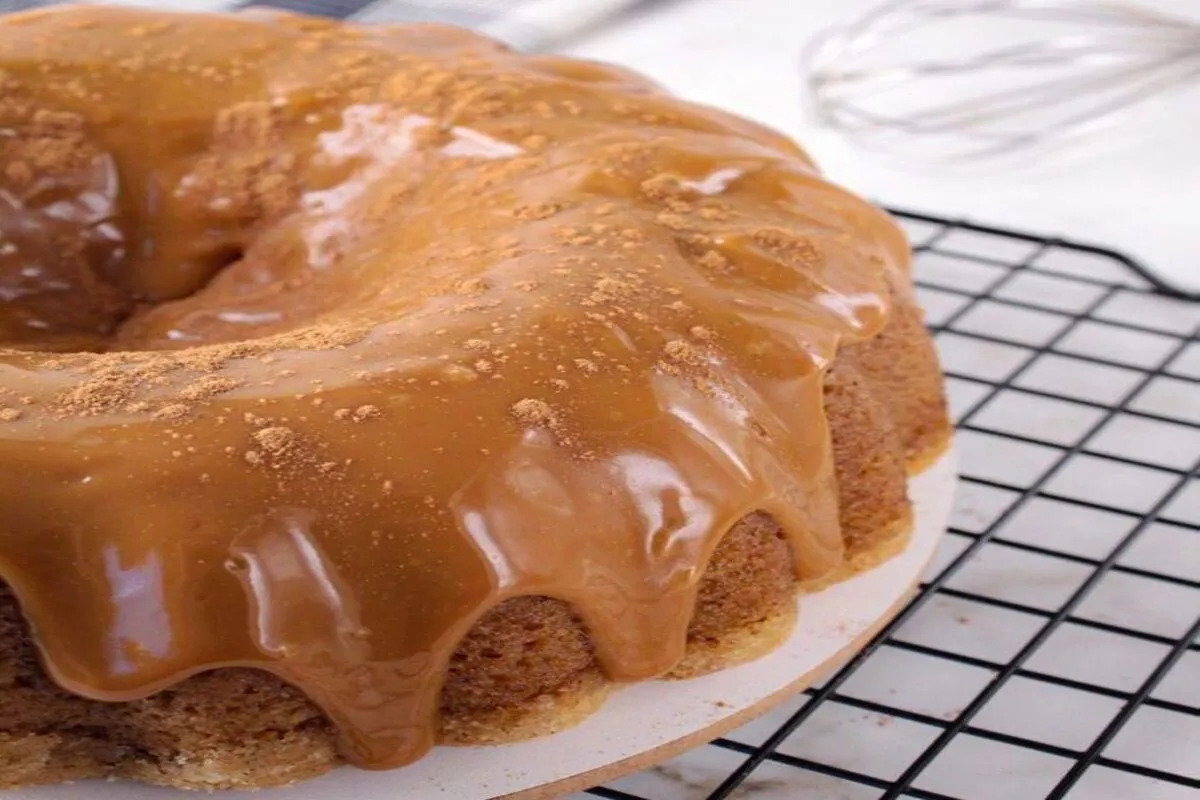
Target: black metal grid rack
1103 504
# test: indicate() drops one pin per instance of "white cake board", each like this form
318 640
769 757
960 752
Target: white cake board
641 724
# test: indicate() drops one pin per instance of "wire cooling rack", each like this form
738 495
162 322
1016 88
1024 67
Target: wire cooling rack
1053 650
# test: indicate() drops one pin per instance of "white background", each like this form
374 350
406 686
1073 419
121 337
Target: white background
1135 188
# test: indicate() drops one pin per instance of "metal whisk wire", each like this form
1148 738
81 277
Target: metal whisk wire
1062 83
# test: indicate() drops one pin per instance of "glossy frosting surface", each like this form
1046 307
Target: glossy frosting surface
321 340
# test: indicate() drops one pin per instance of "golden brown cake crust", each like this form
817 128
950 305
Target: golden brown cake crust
902 367
527 669
635 300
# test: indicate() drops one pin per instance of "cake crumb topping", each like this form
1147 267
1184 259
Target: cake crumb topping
531 411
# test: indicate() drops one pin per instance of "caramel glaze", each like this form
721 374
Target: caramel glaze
323 340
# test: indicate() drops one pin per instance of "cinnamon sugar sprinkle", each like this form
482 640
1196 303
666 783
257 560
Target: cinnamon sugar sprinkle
499 291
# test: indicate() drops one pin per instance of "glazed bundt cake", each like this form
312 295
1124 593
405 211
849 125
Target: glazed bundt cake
364 388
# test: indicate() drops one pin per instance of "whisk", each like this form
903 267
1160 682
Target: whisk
1036 73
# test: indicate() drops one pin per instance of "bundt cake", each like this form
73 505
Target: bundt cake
363 388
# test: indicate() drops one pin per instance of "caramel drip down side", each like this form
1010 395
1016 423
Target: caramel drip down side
324 340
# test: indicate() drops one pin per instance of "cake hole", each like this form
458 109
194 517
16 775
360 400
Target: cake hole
79 304
223 257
